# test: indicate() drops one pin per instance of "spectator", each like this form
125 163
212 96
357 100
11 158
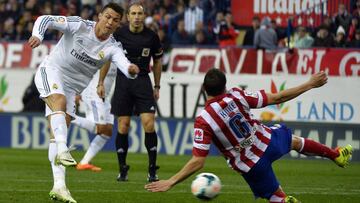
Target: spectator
31 99
193 14
355 43
280 33
302 39
169 6
340 39
265 37
329 23
180 36
353 27
9 32
151 24
200 38
343 18
324 38
250 33
226 32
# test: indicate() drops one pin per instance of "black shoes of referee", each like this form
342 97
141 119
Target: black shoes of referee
123 175
152 176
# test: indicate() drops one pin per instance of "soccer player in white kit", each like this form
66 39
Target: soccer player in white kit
98 118
84 48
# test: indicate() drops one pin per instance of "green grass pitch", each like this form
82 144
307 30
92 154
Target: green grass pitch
25 176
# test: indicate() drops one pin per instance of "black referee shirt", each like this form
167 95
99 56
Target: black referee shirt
140 47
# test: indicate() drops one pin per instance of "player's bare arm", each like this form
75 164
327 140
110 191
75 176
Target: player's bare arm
100 89
157 76
34 42
193 165
315 81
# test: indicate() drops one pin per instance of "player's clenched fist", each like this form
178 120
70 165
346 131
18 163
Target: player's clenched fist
133 69
34 42
318 79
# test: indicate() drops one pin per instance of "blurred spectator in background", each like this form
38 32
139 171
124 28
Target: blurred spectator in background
324 38
226 32
250 33
265 37
340 39
329 23
180 36
356 9
302 39
151 24
355 43
193 14
200 38
31 99
9 32
280 33
343 18
353 27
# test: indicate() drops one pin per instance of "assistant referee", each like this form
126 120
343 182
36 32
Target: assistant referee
140 44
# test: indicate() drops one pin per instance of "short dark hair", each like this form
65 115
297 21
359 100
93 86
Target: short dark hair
114 6
214 82
134 3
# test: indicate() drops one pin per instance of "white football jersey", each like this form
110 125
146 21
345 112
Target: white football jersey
79 53
90 90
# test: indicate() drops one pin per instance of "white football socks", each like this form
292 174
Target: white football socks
59 129
85 123
58 170
96 145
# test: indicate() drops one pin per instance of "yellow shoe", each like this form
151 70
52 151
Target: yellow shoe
82 167
291 199
344 155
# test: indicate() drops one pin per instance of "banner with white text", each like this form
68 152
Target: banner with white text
175 136
232 60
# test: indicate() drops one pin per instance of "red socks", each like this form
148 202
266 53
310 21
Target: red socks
314 148
277 197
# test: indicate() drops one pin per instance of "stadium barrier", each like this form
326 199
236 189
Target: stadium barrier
337 101
30 131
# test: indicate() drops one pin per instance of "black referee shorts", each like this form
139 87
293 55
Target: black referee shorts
132 96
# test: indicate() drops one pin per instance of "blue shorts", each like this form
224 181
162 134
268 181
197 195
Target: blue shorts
261 177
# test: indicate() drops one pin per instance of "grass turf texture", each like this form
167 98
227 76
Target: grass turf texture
25 176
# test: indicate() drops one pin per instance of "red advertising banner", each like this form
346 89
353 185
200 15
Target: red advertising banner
336 62
234 60
281 10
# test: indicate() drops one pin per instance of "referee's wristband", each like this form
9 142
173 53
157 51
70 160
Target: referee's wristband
157 86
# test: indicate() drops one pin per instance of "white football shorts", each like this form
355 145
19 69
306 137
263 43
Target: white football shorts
97 110
48 81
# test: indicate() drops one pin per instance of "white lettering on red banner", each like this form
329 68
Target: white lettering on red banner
336 62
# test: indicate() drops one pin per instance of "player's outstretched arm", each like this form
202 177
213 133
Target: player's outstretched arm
44 22
193 165
315 81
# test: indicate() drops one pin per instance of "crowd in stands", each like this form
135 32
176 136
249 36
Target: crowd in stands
189 22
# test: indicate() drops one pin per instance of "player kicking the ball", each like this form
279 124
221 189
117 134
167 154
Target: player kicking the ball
249 146
84 48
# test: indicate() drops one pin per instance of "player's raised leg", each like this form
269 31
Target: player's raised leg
339 155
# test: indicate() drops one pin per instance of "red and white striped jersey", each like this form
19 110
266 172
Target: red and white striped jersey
227 121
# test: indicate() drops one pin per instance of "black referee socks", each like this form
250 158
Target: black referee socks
122 145
151 146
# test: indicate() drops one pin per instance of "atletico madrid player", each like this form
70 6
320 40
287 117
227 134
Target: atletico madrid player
249 146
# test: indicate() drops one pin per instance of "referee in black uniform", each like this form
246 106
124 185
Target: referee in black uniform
140 44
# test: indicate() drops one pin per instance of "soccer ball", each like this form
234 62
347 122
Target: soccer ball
206 186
